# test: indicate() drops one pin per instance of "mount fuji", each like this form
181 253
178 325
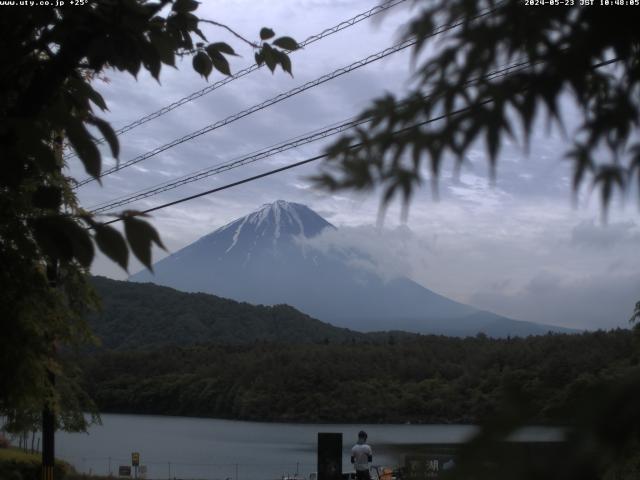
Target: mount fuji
261 259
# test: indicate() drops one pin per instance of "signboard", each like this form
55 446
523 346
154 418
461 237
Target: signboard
427 467
135 459
124 471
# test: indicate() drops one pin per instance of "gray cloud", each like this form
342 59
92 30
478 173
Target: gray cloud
389 253
592 302
589 234
516 248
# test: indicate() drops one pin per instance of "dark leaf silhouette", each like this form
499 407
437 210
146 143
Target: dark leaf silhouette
112 243
286 43
266 33
140 236
503 64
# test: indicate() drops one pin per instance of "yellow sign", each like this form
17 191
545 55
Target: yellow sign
135 459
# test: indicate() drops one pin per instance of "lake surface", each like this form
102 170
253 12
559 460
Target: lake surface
198 448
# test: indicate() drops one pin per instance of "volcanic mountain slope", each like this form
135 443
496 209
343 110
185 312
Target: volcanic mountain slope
261 259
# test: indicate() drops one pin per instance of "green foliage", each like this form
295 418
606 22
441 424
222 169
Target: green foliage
272 57
137 315
600 443
421 379
266 33
202 64
48 59
286 43
589 54
18 465
112 243
34 316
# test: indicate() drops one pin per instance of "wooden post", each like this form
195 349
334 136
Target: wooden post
48 438
48 416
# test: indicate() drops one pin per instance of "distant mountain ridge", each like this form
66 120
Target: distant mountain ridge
261 259
143 315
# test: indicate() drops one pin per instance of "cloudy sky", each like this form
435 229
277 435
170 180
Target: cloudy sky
518 248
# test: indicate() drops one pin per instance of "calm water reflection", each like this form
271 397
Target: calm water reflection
197 448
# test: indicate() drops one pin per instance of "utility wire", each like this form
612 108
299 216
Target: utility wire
212 169
269 151
225 187
524 65
294 165
255 108
241 73
278 98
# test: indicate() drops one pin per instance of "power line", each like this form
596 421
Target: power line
255 108
269 152
203 173
241 73
509 71
278 98
230 185
301 140
293 165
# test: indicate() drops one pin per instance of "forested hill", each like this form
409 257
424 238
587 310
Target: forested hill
428 379
143 315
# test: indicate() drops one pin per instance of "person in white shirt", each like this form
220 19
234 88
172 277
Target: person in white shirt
361 457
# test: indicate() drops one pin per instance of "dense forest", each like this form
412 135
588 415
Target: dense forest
423 379
144 315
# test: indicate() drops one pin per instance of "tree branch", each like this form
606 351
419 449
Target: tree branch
221 25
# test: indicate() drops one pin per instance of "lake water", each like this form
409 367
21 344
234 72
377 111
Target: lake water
198 448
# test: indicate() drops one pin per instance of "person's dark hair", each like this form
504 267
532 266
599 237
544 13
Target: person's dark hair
362 434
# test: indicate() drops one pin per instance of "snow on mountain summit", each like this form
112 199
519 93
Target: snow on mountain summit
287 218
272 222
272 226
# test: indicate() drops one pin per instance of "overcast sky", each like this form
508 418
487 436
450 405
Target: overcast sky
517 248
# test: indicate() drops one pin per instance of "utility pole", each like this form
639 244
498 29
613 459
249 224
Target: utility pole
48 414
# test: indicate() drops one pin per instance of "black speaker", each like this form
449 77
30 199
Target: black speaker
329 456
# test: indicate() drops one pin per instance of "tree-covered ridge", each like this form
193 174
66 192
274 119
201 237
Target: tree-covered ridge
136 315
427 379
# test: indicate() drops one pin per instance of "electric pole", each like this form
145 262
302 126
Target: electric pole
48 413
